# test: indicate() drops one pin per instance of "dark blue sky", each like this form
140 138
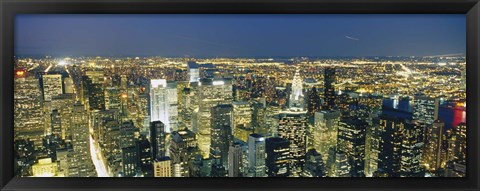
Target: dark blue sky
239 35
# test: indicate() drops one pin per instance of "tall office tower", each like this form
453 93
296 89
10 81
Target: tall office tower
434 145
390 145
183 148
93 92
278 157
129 161
181 86
455 169
458 144
162 167
127 147
112 150
143 113
329 89
81 160
64 104
259 119
235 160
256 155
193 71
210 93
158 139
127 134
296 99
351 140
163 103
112 98
342 165
314 166
314 102
188 106
242 116
144 157
325 132
293 126
52 86
56 123
28 112
411 150
373 138
221 132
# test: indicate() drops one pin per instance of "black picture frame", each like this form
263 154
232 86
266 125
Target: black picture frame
9 8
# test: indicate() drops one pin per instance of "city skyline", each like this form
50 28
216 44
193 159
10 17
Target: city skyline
202 115
239 35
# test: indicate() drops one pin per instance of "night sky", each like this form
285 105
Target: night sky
239 35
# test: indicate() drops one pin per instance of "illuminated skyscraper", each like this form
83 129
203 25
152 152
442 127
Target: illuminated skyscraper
81 160
296 99
278 157
28 111
45 168
434 146
52 86
412 145
235 160
329 89
325 132
221 132
211 93
157 137
112 98
64 104
293 127
242 126
163 103
390 145
56 123
144 157
256 155
351 140
183 148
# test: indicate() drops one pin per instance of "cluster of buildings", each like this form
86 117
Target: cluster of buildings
183 117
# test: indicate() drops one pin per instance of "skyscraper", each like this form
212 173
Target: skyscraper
329 89
144 157
163 103
52 86
183 148
314 166
235 160
296 99
28 111
81 160
242 126
278 157
434 146
390 145
157 137
210 93
325 132
351 140
256 155
221 132
293 127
